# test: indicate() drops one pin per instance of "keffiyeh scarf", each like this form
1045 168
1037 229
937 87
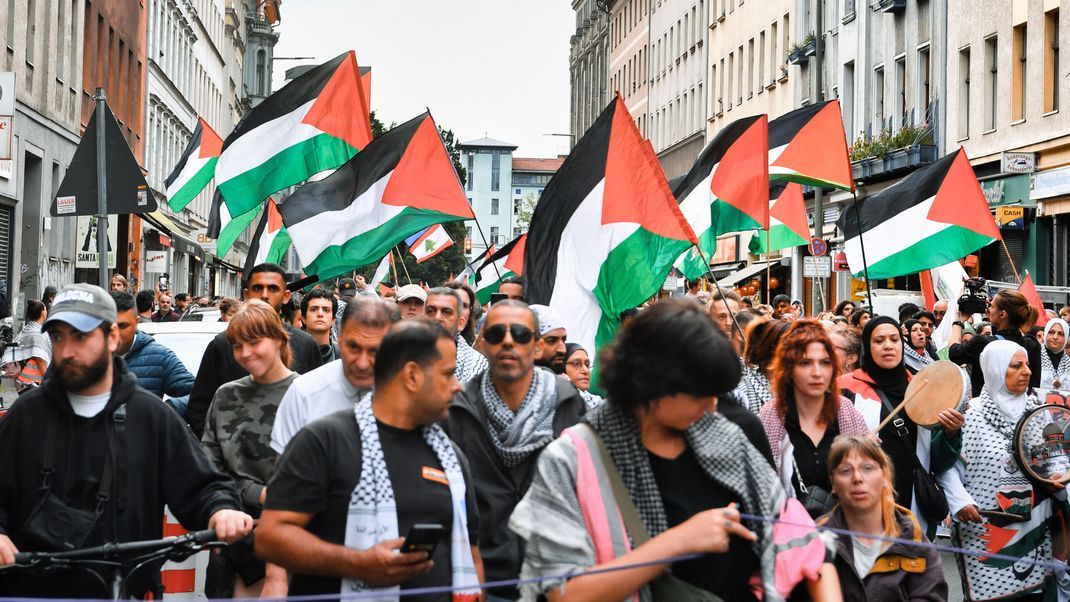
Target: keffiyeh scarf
914 360
373 517
591 400
725 455
756 388
517 435
469 361
1051 373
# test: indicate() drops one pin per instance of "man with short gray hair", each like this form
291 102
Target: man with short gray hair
445 306
342 383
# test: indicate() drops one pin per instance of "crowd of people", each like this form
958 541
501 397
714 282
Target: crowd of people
324 430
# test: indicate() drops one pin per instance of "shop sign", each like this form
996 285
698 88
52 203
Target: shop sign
1011 217
727 250
1011 190
155 262
839 262
1018 162
1054 182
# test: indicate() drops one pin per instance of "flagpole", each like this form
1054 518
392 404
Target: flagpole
861 243
485 245
768 270
401 255
394 267
717 285
1010 259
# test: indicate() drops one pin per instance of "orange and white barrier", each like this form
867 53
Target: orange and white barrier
183 579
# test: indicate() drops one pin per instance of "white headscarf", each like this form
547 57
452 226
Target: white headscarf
1053 322
995 359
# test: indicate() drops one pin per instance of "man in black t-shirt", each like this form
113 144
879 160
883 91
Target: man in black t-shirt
399 469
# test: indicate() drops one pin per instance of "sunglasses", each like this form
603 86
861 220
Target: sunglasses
522 335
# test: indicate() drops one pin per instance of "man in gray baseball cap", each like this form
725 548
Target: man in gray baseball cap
90 426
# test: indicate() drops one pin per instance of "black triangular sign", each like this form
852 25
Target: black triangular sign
127 190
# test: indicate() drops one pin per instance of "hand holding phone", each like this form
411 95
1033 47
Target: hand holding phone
423 538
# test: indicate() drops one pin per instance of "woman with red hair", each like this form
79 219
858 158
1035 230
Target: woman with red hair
806 413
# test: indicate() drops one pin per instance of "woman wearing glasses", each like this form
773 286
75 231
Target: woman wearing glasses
870 568
578 370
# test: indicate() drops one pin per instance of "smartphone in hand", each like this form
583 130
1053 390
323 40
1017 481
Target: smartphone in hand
423 538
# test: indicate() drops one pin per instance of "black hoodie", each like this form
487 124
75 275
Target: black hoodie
157 462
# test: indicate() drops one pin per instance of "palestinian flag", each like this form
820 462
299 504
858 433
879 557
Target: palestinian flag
382 271
432 241
727 190
809 146
400 184
224 228
934 216
607 229
315 123
195 167
468 274
270 241
1028 288
788 224
507 262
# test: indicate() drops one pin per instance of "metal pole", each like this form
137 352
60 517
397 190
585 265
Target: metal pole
102 190
819 209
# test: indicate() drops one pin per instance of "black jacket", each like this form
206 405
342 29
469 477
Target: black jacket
218 367
969 354
157 461
499 489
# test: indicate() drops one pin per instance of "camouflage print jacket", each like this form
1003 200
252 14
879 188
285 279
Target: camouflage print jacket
237 434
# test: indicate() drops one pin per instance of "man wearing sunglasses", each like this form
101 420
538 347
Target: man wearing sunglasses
502 421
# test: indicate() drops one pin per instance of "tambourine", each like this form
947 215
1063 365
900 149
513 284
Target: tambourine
942 385
1040 445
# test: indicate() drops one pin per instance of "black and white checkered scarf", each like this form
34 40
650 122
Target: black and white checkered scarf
517 435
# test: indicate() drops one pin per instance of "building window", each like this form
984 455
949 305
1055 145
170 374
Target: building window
761 61
31 29
494 235
261 68
924 81
739 75
964 93
495 170
849 99
878 98
1018 71
774 59
901 90
471 173
731 74
991 67
494 205
518 191
1051 60
750 68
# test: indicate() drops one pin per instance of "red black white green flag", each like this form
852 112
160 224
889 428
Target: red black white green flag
507 262
315 123
788 224
400 184
195 167
606 231
726 190
808 146
932 217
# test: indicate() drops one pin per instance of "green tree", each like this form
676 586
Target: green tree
525 211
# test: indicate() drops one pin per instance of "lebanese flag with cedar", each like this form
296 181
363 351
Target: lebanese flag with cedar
726 190
401 183
606 231
315 123
932 217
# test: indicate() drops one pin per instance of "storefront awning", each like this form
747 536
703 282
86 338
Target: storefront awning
747 272
178 240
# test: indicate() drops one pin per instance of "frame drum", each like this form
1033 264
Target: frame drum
946 387
1040 444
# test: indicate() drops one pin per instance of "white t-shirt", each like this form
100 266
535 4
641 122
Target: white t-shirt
88 406
866 555
313 395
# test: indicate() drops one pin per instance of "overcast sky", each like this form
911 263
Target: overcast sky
484 67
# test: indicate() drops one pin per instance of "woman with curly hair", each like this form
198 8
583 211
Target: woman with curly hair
807 412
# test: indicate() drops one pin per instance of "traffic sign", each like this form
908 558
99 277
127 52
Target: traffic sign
817 267
818 247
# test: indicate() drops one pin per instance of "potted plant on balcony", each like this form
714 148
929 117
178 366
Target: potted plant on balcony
802 50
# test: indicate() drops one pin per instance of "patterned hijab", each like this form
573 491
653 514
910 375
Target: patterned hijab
1055 356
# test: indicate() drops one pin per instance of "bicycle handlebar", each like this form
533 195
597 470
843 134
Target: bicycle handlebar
110 550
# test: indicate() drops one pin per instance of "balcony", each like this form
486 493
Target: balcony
890 6
889 156
802 51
